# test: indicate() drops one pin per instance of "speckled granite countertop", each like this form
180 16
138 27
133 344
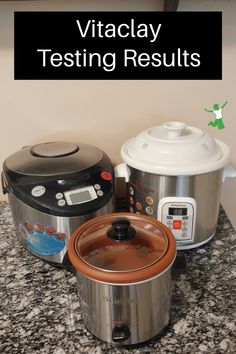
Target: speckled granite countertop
39 308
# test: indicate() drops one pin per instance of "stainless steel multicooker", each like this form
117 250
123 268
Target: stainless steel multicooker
53 188
123 265
174 173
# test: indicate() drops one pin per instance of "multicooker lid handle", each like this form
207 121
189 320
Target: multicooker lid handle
54 149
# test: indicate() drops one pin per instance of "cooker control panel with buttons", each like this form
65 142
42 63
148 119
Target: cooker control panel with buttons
179 215
141 200
74 195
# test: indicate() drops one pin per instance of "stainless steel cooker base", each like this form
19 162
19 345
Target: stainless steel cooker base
125 314
136 345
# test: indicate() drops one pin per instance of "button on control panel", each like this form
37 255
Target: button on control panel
149 210
100 193
139 206
169 217
179 215
149 200
38 191
131 190
177 224
61 202
107 176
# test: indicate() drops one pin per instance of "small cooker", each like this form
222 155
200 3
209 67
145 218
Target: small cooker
174 173
52 189
123 265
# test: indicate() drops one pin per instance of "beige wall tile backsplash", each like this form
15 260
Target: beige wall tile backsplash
107 113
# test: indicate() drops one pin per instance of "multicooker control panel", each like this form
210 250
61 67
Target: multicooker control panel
76 195
179 214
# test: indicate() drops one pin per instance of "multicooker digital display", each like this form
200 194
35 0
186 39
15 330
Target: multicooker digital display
80 195
178 211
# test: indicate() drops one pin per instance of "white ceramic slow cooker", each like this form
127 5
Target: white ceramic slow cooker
174 174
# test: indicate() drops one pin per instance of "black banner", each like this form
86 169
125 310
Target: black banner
118 45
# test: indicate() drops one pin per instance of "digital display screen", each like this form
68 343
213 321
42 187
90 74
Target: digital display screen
80 197
178 211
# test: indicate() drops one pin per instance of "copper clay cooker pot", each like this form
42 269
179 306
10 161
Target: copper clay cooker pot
123 266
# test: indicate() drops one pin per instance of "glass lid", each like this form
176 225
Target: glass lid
121 244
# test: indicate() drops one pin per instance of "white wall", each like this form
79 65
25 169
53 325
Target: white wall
107 113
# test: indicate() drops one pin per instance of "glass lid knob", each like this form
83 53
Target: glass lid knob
121 230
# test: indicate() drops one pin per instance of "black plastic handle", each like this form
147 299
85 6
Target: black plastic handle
120 333
121 230
4 187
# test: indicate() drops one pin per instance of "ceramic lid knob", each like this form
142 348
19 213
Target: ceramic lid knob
174 129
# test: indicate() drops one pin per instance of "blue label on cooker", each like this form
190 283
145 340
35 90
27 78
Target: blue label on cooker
41 240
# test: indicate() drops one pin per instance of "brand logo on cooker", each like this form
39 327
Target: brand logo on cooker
120 301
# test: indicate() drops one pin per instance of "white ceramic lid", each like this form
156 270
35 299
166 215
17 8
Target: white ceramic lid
175 149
